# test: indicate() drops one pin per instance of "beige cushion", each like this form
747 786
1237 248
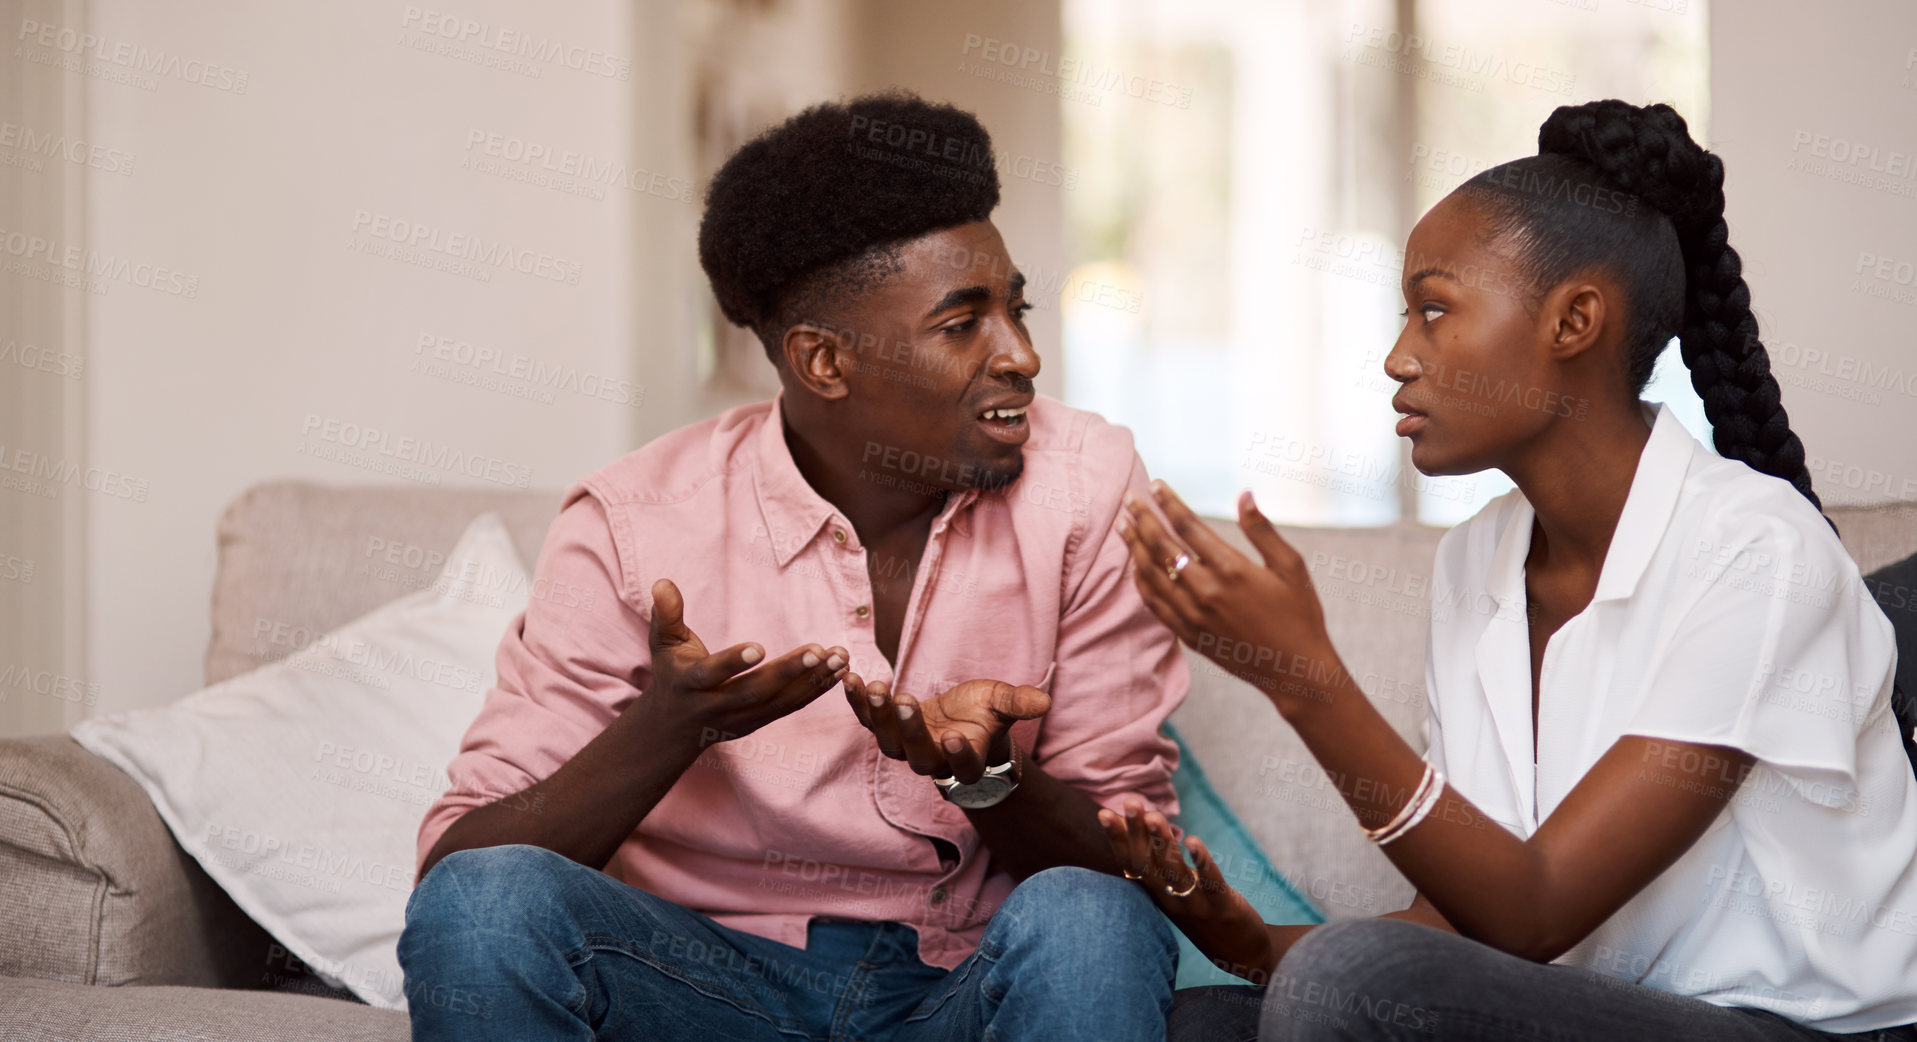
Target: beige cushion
44 1011
299 559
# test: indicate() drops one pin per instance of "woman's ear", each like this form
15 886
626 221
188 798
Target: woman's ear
816 356
1574 315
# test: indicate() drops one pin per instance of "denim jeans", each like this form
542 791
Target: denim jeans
1388 979
517 942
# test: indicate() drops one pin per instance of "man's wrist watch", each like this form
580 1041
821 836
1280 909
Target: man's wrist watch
989 791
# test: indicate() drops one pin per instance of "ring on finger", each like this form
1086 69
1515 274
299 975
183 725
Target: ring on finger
1189 887
1133 876
1176 565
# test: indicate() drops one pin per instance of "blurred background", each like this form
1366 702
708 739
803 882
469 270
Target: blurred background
389 242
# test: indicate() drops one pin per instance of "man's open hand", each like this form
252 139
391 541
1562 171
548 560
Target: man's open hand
715 697
955 735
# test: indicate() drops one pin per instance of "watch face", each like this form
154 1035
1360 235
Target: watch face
986 792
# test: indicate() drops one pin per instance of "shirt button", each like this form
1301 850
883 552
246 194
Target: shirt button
938 895
863 611
838 535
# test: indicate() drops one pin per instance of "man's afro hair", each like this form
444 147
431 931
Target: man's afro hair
831 185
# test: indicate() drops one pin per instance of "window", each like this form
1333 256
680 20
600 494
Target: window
1237 230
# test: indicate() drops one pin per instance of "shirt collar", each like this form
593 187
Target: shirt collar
1649 505
794 512
1647 514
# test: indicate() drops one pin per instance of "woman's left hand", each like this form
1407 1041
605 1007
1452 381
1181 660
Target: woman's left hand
1260 622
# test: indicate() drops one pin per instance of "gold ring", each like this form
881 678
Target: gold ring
1176 565
1133 876
1193 885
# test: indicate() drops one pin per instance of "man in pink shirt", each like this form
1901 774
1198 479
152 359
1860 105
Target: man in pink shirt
656 831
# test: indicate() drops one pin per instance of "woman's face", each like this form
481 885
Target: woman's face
1475 361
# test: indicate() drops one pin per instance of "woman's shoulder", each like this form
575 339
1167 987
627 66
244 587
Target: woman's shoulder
1728 508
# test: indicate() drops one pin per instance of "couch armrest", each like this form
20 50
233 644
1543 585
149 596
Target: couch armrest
93 888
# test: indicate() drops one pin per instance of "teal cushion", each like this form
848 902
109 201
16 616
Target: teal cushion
1205 814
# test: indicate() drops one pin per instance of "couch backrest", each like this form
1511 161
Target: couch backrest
300 559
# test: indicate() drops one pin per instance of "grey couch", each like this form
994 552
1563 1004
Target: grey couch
108 930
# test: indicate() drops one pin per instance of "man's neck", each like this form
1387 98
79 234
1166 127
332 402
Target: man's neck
877 513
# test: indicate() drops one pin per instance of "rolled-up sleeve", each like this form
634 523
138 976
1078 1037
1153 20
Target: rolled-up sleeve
566 667
1119 674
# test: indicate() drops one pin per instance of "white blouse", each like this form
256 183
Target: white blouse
1727 613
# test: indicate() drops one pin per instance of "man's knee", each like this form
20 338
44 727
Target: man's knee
1075 907
487 888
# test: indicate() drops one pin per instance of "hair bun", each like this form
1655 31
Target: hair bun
1646 151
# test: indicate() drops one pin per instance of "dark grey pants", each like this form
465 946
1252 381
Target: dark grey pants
1379 979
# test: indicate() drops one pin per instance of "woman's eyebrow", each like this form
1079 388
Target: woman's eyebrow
1421 274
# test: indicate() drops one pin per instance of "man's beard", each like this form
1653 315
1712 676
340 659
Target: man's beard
996 477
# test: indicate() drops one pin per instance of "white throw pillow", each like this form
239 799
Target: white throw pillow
300 786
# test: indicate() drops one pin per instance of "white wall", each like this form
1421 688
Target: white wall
1806 98
263 197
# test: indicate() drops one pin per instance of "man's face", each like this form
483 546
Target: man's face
939 365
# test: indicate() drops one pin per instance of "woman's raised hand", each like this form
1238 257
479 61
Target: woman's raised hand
1260 622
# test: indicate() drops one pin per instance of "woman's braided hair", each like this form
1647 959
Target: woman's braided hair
1573 207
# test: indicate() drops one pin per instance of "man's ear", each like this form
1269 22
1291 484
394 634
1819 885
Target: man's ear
1574 315
814 355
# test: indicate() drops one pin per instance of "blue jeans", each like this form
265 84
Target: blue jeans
517 942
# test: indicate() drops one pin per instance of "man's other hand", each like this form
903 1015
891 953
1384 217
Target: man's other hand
955 735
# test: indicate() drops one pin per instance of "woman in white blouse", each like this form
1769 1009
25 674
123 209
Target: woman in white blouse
1665 796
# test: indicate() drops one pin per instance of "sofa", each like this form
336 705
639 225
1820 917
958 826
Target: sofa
108 930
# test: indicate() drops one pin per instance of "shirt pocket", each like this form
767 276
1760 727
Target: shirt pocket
1026 732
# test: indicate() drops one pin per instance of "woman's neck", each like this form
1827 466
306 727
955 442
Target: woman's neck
1576 478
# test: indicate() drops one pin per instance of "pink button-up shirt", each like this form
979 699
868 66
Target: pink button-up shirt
804 817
